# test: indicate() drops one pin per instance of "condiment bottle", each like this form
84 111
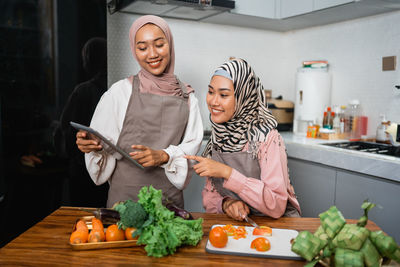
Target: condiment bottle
342 118
353 113
381 135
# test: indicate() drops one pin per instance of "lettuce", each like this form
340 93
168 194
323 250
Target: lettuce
162 233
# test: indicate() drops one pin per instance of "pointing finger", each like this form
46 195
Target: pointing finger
196 158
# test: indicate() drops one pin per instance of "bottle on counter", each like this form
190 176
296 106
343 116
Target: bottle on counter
381 135
342 119
336 119
353 115
327 123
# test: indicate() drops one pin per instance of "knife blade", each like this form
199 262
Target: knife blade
250 221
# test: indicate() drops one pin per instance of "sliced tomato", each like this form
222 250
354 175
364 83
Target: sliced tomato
261 244
263 230
240 232
229 229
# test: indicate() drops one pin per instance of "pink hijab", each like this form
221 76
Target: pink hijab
166 83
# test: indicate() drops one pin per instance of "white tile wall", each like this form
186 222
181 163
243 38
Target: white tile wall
354 50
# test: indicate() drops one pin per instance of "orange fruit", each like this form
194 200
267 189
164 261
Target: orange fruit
96 235
218 237
261 244
129 232
97 224
113 233
81 226
78 237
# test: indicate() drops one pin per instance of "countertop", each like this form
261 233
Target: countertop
310 149
47 243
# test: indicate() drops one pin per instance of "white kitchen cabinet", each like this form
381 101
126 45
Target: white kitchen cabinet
290 8
258 8
314 186
322 4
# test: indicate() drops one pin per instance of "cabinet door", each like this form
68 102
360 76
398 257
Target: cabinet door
353 188
258 8
321 4
314 185
290 8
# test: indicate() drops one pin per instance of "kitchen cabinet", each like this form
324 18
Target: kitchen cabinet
322 4
314 186
290 8
318 187
286 15
258 8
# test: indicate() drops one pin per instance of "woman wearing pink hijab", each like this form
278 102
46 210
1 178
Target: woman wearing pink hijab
151 115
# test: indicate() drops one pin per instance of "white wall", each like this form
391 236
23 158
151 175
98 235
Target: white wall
354 50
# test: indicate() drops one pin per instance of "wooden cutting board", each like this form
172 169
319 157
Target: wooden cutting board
280 245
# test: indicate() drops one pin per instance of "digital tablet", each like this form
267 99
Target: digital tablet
105 140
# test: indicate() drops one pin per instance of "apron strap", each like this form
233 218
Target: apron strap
184 89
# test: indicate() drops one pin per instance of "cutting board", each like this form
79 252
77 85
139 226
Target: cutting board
280 245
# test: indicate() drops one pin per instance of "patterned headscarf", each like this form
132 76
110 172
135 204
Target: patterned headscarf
251 121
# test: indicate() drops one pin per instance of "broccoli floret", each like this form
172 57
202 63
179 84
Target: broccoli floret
132 214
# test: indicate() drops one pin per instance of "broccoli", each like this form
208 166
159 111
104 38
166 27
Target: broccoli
132 214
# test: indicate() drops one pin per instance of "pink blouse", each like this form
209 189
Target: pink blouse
270 194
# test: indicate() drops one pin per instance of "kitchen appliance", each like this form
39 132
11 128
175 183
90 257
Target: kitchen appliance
283 112
368 147
313 95
182 9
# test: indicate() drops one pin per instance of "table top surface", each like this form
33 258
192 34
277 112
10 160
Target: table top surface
47 243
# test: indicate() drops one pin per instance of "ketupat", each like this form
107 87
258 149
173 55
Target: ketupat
351 245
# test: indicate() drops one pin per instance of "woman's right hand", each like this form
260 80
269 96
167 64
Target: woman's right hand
235 209
85 142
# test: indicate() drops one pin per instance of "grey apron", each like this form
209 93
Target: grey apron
244 163
155 121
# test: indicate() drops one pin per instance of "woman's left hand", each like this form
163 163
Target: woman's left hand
148 157
210 168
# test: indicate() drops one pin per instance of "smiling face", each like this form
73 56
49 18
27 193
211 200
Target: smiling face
221 100
152 49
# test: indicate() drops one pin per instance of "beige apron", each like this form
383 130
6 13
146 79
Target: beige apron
155 121
244 163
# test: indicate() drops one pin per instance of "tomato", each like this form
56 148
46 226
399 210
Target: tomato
129 232
261 244
113 233
263 230
218 237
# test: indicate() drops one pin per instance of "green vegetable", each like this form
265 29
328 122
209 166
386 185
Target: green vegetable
132 214
160 230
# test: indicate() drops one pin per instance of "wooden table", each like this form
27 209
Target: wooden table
46 243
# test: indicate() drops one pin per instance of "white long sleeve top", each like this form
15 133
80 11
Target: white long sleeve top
108 120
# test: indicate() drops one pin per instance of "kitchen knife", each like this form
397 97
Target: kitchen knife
250 221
